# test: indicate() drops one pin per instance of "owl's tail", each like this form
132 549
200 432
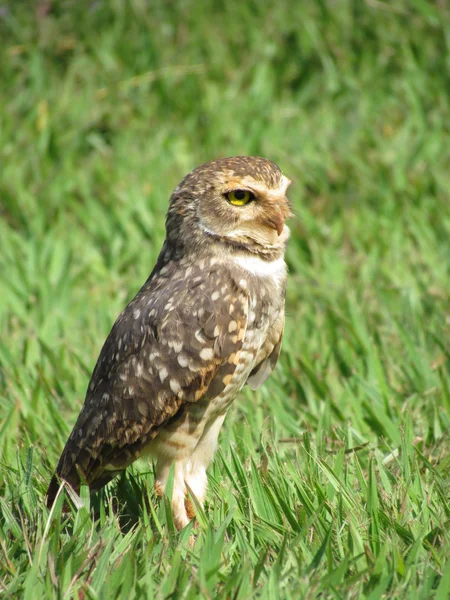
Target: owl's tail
87 469
55 484
52 491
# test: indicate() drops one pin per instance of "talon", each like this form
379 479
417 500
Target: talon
190 510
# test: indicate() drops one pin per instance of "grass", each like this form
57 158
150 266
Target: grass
332 481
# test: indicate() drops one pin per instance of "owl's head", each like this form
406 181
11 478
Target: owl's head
241 200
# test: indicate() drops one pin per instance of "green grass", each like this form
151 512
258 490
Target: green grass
332 481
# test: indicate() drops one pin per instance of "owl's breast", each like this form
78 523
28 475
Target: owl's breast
261 319
264 312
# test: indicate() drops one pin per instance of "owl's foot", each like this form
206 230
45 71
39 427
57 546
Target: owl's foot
189 507
189 482
179 513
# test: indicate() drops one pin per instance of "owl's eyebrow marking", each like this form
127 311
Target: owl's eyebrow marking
240 187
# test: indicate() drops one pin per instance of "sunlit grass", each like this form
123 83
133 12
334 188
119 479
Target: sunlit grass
332 480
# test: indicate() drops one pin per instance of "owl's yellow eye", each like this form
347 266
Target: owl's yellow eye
239 197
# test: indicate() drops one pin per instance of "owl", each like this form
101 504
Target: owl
208 320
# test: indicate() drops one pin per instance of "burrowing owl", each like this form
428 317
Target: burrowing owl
208 319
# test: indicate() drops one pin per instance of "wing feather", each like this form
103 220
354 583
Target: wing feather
173 344
268 358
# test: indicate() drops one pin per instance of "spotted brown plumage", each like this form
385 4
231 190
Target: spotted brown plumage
209 318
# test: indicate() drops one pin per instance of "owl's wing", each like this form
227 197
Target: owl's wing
174 344
268 356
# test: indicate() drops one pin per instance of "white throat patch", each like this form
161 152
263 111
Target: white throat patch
275 269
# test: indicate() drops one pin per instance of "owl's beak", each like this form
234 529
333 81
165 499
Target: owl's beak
276 221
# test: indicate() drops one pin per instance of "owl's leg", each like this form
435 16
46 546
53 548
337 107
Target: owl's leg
163 467
195 472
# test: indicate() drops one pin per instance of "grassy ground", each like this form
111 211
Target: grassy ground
333 480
